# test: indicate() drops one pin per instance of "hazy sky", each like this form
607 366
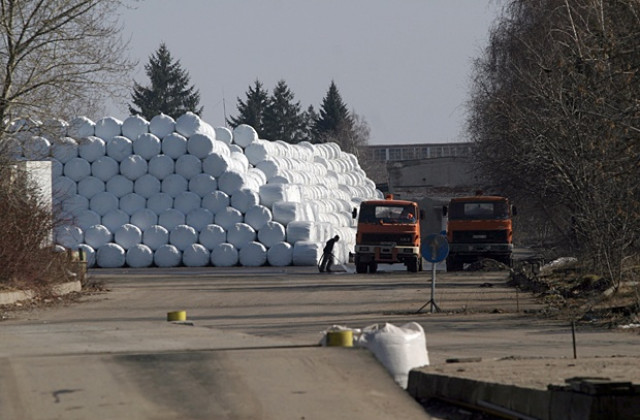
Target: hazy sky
402 65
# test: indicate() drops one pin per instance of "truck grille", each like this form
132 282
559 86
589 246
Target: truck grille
480 236
377 238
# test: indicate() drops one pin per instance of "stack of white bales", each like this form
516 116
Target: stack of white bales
170 192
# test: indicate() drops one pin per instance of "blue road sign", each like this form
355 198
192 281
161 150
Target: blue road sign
435 248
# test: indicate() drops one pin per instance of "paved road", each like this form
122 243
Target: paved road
251 351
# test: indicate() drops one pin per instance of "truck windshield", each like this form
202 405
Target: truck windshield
387 214
479 210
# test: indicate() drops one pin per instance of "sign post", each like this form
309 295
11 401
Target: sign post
435 249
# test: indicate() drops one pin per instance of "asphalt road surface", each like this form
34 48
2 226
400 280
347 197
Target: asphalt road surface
249 349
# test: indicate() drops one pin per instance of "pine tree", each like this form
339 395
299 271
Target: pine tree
252 110
169 92
283 119
334 117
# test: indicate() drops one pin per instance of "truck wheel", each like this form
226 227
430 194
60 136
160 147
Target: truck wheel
373 267
412 266
453 264
361 268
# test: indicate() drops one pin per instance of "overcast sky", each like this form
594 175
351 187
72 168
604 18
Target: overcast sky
402 65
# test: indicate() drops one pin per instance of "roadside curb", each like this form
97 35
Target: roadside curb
10 298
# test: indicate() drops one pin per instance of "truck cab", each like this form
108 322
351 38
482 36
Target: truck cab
388 233
479 227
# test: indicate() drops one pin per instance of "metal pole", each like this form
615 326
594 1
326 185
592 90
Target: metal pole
433 287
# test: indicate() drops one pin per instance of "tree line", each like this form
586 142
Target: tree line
555 119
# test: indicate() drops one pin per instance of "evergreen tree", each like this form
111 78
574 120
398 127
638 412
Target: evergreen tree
309 118
169 92
252 110
283 119
334 117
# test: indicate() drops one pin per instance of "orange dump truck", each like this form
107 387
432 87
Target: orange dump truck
479 227
388 233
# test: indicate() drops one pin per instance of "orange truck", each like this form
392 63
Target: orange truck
388 233
479 227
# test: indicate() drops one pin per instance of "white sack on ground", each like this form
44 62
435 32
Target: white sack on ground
167 256
91 148
399 349
147 145
271 233
110 256
108 127
307 253
119 148
224 255
162 125
139 256
211 236
105 168
115 218
155 236
252 254
280 254
127 236
119 186
134 126
97 236
196 255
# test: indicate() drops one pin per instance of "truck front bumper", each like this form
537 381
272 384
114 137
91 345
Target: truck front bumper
386 254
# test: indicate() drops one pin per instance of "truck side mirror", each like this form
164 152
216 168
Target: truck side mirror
354 213
445 210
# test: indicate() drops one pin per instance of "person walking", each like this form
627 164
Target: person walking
327 255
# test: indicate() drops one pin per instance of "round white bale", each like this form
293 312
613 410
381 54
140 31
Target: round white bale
87 218
161 166
244 198
91 148
103 202
186 201
64 148
167 256
224 255
80 127
199 218
271 233
119 186
133 167
196 255
188 166
139 256
253 254
224 135
147 185
174 184
127 236
212 235
105 168
119 148
171 218
203 184
215 201
110 256
160 202
174 145
162 125
132 202
108 127
240 234
77 169
155 236
89 253
97 236
200 145
144 219
182 236
147 145
280 254
69 236
228 217
134 125
244 135
257 216
90 186
115 219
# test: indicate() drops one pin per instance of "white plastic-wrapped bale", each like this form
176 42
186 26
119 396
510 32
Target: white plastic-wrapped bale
144 218
89 254
228 217
35 148
224 135
211 236
182 236
114 219
139 256
202 184
90 186
73 205
271 233
155 236
63 187
174 145
189 124
119 186
244 135
147 145
104 168
87 218
91 148
133 167
273 193
302 230
231 181
199 218
240 234
280 254
216 164
171 218
253 254
196 255
103 202
108 127
201 145
77 168
147 185
119 148
244 198
69 236
224 255
240 161
188 166
257 216
64 148
258 176
133 126
127 236
306 253
110 256
80 127
174 184
161 166
186 201
14 148
167 256
57 168
162 125
286 212
132 202
160 202
235 148
97 236
215 201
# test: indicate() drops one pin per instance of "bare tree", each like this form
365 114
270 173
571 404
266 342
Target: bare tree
556 119
59 58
